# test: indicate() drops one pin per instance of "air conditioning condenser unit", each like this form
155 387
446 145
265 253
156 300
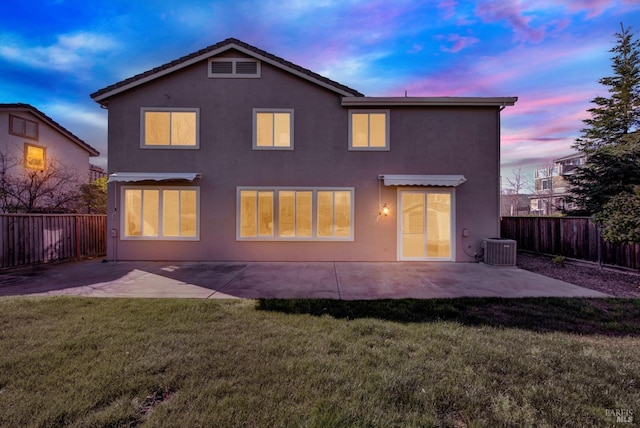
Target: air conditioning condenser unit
499 252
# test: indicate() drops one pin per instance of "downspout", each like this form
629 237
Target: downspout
499 184
114 231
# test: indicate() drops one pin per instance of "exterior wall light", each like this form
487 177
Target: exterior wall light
385 210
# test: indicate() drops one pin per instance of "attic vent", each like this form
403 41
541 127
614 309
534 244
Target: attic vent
246 67
234 67
221 67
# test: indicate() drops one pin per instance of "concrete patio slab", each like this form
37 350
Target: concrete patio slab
284 281
359 281
319 280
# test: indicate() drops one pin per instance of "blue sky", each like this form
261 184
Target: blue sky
549 53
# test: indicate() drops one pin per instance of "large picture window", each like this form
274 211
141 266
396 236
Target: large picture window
272 129
168 213
369 130
170 128
295 214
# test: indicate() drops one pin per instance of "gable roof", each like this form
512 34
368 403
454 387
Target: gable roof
21 107
102 95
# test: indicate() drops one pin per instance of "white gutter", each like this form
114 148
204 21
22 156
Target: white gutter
429 101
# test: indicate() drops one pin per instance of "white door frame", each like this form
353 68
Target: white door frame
425 190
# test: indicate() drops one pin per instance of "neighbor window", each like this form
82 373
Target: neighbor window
295 214
272 129
534 204
369 130
35 157
23 127
169 213
170 128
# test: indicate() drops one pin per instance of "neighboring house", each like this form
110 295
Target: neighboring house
233 154
95 172
552 187
514 204
32 141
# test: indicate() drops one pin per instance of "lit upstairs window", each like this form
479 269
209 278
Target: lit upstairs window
369 130
170 128
35 157
272 129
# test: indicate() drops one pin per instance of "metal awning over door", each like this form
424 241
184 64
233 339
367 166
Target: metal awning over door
422 180
153 176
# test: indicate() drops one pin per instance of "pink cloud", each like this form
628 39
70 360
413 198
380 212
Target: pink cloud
543 125
561 24
537 101
460 80
538 130
512 12
459 43
448 8
593 7
415 48
512 73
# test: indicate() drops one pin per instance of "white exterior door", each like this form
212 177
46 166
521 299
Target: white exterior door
425 226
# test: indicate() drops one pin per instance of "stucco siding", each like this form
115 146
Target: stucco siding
423 140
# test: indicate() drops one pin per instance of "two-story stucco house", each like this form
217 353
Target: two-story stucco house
32 141
233 154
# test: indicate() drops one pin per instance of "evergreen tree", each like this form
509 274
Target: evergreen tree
611 139
619 218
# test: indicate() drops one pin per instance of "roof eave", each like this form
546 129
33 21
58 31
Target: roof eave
429 101
52 123
92 152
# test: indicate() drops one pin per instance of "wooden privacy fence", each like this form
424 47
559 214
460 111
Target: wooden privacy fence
573 237
27 239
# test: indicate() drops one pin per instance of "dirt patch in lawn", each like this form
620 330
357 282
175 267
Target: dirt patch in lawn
613 282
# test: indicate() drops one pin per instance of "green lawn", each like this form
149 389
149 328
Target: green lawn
68 361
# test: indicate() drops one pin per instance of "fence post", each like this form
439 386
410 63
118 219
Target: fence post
77 221
599 237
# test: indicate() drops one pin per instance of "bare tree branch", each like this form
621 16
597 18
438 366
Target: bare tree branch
53 189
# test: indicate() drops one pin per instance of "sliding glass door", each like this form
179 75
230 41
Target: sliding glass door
426 225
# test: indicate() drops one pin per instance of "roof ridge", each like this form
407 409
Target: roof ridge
226 42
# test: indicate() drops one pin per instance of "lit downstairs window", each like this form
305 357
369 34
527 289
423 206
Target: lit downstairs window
369 130
170 128
35 157
272 129
334 214
165 213
295 214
